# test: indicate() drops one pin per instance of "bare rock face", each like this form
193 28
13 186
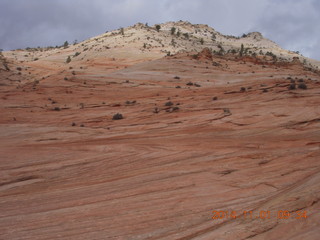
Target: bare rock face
255 35
205 54
3 63
222 149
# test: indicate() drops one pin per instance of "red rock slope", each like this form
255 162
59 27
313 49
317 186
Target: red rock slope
199 134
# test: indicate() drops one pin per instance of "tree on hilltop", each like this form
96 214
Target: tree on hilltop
66 44
173 30
158 27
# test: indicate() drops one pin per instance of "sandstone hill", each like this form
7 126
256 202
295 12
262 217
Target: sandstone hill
146 134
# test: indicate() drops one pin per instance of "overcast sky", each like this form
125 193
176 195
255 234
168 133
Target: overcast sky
293 24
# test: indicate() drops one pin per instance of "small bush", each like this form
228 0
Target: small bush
66 44
56 109
176 77
226 110
215 98
242 89
197 85
173 30
158 27
302 86
117 116
174 109
292 86
68 59
168 104
189 84
76 54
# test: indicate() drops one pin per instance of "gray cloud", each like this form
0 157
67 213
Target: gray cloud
290 23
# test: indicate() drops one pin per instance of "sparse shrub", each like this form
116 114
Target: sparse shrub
189 84
66 44
195 56
226 111
173 30
176 77
186 35
292 86
265 90
19 68
76 54
56 109
197 85
301 80
178 87
158 27
168 104
215 98
242 89
302 86
82 125
174 109
201 41
241 50
68 59
117 116
213 37
73 124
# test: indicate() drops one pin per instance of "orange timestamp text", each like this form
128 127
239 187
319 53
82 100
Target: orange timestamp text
281 214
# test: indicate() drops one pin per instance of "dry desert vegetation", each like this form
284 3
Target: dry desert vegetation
172 131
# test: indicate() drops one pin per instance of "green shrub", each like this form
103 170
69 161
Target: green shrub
292 86
302 86
68 59
117 116
173 30
66 44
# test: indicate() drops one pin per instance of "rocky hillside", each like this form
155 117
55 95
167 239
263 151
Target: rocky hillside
141 42
114 138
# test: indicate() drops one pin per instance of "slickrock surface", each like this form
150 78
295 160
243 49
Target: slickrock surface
200 133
